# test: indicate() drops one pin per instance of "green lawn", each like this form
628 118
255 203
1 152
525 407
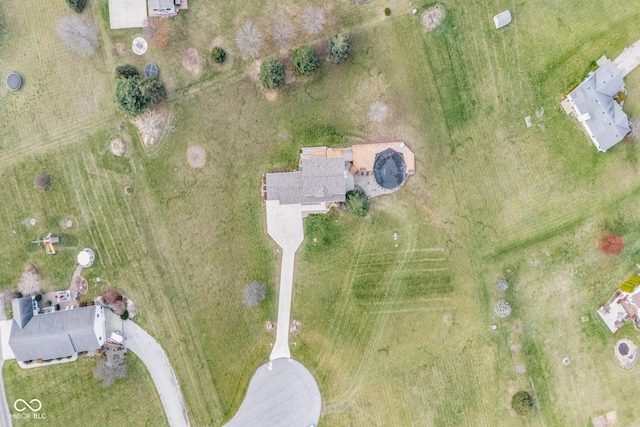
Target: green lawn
394 335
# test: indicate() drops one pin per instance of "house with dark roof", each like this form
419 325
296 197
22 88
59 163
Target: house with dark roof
595 105
57 334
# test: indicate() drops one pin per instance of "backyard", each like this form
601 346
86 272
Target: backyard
395 335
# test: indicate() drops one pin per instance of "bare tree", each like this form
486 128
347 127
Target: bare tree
29 281
254 293
502 308
313 20
249 39
282 32
152 125
112 366
79 34
378 112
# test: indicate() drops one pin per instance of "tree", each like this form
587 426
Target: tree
249 39
502 308
79 34
129 97
522 403
272 74
339 47
126 71
124 315
218 54
153 90
111 367
305 60
282 32
357 203
254 293
153 125
77 5
313 19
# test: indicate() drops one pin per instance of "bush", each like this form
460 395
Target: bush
305 60
339 47
522 403
129 97
387 11
39 297
126 71
153 90
271 74
357 203
218 54
124 315
77 5
502 308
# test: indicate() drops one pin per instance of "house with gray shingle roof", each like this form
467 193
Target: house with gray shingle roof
597 110
57 334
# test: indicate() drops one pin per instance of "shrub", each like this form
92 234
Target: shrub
339 47
153 90
502 308
129 97
357 203
218 54
305 60
124 315
39 297
126 71
387 11
48 303
522 403
271 74
77 5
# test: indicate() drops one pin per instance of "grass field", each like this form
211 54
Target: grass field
395 335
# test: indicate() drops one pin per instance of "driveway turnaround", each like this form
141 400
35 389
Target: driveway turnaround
628 59
281 393
154 358
284 225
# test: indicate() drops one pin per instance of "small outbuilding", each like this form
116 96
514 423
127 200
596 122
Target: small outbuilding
502 19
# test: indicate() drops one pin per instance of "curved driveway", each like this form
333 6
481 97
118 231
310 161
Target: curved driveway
281 393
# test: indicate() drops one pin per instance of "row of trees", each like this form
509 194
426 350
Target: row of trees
135 95
305 61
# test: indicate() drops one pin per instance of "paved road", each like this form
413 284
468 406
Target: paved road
5 413
157 363
284 225
281 393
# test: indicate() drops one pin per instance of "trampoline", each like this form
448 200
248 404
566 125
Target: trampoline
151 70
623 348
14 81
389 169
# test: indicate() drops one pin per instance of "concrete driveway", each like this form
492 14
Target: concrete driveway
284 225
628 59
281 393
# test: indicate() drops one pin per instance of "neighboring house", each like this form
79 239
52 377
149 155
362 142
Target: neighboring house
596 108
164 8
325 175
57 334
134 13
622 306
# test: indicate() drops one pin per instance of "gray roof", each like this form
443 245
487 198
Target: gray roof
57 334
162 6
320 179
22 310
598 112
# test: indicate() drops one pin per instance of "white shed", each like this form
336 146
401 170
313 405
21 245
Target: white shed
502 19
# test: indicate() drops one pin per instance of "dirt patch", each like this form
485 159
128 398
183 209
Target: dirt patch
156 32
271 95
378 112
521 369
196 156
433 16
515 347
191 61
118 49
448 319
118 147
611 244
295 326
254 70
